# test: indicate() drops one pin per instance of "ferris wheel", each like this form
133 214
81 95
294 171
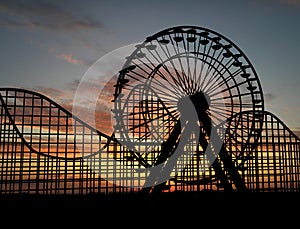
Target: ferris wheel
188 83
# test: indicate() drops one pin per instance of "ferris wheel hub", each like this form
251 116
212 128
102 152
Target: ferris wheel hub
199 102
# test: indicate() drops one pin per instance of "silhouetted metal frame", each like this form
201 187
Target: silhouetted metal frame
222 56
39 152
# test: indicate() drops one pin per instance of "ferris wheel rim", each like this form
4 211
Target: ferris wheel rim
185 29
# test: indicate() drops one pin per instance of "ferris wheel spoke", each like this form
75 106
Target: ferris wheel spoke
194 76
145 122
160 130
230 97
175 47
166 127
216 62
166 50
187 75
162 92
229 88
220 115
217 73
224 68
159 105
208 70
136 76
182 78
184 42
205 54
156 55
221 112
223 104
208 51
214 74
203 77
217 119
219 84
177 86
175 68
153 82
146 111
143 65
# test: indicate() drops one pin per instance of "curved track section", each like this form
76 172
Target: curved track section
268 163
40 151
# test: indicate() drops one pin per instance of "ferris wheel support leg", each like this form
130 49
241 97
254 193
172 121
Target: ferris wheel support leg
232 170
168 148
228 165
215 163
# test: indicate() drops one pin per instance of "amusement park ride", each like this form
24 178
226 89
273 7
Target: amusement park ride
188 111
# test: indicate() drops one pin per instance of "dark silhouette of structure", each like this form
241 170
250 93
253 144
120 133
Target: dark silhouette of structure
185 89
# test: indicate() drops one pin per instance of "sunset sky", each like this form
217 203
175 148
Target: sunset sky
48 46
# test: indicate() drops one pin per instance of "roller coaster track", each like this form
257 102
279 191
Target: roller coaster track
42 152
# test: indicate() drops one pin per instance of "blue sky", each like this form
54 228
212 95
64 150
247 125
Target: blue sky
48 46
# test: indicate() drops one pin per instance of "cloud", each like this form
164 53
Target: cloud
296 131
36 14
270 96
56 26
269 100
290 2
85 107
69 58
50 92
61 97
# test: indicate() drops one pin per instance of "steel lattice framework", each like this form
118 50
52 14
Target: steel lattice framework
42 152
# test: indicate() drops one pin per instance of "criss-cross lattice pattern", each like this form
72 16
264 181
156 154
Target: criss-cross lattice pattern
45 149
